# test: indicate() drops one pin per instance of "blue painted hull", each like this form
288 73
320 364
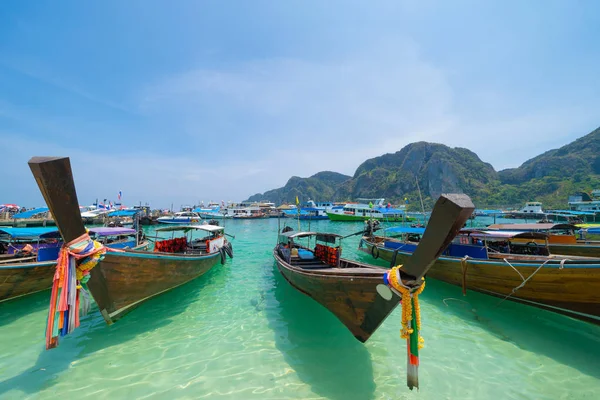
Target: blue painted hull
576 281
312 217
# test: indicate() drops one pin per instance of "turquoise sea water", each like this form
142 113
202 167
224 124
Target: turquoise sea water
241 332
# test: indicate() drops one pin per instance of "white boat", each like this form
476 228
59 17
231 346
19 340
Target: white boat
183 217
248 213
375 209
93 215
532 207
310 211
583 202
243 210
531 210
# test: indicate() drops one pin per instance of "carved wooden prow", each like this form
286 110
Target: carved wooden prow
55 180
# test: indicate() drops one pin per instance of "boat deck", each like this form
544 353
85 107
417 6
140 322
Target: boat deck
317 265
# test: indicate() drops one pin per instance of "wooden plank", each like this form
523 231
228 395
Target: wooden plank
449 215
55 180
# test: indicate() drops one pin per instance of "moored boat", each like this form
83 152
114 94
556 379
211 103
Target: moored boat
309 211
32 218
249 213
29 262
118 280
183 218
349 289
367 211
564 239
512 265
132 277
531 210
306 213
215 214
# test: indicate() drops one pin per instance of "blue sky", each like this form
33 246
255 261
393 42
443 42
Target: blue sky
181 101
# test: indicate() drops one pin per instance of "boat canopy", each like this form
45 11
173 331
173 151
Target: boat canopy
187 228
323 237
405 229
531 227
30 213
294 234
569 213
108 231
328 237
29 233
123 213
506 235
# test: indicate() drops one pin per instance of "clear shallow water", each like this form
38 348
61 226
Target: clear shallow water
241 332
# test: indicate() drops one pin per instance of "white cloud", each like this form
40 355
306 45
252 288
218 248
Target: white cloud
161 180
320 115
250 126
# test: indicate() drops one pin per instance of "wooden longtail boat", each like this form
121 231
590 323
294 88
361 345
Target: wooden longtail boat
562 238
123 280
21 274
565 284
349 289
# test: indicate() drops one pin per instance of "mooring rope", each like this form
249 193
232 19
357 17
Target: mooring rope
522 284
465 266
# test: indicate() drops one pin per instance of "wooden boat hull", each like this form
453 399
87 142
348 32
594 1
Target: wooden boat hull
575 249
124 280
20 279
352 298
573 290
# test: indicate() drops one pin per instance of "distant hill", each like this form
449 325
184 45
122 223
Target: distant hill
550 177
319 187
438 169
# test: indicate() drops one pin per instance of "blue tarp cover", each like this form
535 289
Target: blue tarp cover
405 229
123 213
30 213
294 212
385 210
18 233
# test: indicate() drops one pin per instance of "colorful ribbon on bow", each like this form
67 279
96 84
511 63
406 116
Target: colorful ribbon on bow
411 322
75 261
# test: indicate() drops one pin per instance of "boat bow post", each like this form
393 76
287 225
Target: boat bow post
450 213
55 181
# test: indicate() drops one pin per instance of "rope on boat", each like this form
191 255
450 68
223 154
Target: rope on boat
445 301
411 321
465 266
75 261
550 258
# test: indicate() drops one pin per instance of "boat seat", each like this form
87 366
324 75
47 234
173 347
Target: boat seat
305 254
312 265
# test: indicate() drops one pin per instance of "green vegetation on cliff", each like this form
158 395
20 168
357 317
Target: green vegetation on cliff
550 177
319 187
